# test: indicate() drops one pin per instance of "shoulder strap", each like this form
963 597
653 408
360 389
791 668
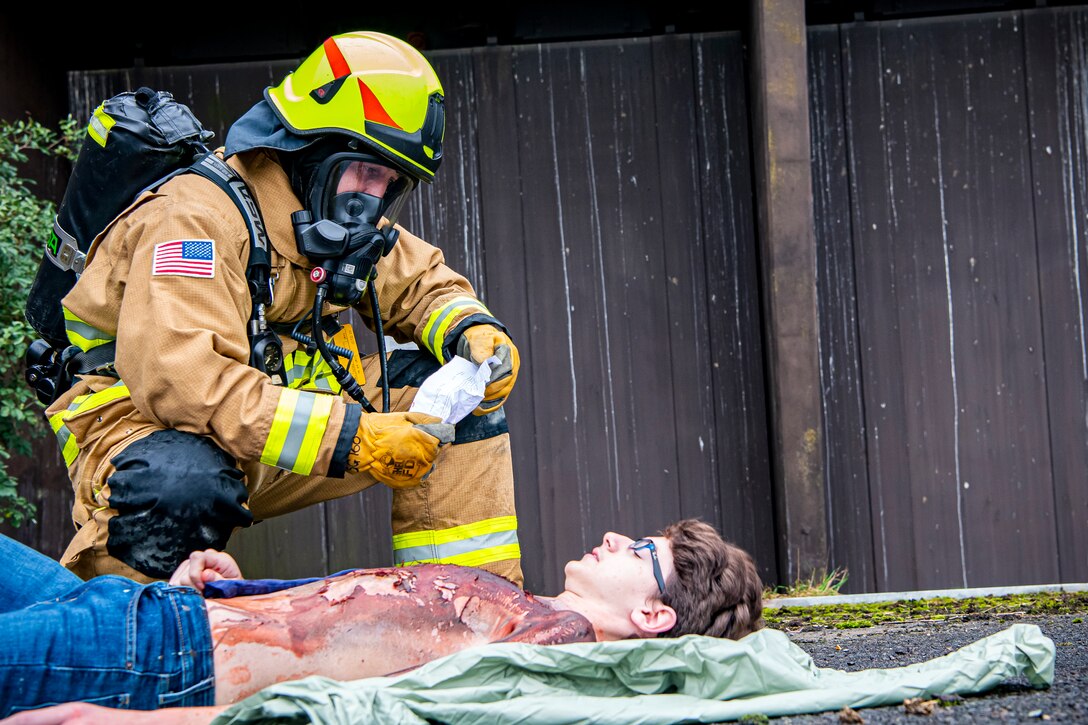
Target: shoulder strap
265 349
259 269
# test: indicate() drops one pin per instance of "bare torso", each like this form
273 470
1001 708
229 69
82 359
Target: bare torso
373 622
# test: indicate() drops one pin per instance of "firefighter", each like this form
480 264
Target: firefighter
182 440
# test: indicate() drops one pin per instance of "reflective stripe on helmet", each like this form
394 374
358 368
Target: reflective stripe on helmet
438 324
475 544
372 87
372 107
297 428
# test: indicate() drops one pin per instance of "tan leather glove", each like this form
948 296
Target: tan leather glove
480 342
398 449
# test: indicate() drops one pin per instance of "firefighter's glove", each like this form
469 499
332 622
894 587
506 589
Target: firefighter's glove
477 344
398 449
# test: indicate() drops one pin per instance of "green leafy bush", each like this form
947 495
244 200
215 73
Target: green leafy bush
25 223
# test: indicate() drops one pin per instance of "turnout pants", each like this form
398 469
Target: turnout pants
145 501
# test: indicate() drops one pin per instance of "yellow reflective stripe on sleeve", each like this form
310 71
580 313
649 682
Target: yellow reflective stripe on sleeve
297 428
438 324
310 372
94 400
481 542
292 371
100 125
69 448
322 377
82 335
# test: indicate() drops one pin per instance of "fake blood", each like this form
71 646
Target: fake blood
379 622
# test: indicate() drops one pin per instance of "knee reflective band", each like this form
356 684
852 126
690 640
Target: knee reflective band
300 422
69 448
174 493
472 544
82 335
440 321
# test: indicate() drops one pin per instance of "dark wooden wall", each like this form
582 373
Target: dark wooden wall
598 196
950 187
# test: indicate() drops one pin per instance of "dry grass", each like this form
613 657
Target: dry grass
820 583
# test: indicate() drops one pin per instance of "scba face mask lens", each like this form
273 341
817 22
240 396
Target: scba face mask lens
348 225
346 179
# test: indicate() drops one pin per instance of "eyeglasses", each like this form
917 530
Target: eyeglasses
649 544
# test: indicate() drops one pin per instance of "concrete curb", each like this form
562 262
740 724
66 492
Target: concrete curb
928 594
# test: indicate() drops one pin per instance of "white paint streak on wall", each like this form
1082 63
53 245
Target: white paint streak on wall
595 230
735 272
697 268
951 323
879 483
883 129
1073 149
876 481
622 120
821 193
469 192
550 88
562 249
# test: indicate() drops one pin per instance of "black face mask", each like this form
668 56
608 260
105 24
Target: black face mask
338 231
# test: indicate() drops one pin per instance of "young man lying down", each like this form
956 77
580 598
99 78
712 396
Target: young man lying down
208 638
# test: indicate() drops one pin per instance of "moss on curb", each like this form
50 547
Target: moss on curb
853 616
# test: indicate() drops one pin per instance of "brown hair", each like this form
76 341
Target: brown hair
714 589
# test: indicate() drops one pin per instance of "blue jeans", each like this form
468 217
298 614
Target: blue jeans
109 641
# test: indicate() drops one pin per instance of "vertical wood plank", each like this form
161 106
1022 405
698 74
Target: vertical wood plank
968 124
873 202
1056 46
546 98
286 547
600 278
849 505
957 171
358 529
446 213
507 265
686 268
1006 476
744 478
625 229
43 480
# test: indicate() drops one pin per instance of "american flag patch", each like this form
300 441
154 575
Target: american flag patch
185 258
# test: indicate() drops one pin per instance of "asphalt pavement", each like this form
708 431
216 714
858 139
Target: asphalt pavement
1066 701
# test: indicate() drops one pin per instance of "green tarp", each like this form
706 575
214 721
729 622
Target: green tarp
686 679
